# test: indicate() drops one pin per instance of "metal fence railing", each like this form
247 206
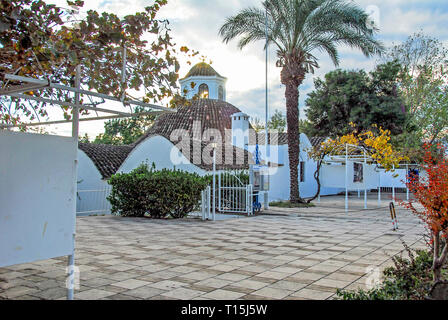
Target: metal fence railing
93 202
234 195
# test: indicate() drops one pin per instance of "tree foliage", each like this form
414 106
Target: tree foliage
45 41
431 192
146 191
125 131
365 99
423 83
276 122
298 29
375 144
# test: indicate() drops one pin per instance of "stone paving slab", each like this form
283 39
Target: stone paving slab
293 254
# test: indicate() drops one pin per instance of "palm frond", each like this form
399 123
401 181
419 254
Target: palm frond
299 27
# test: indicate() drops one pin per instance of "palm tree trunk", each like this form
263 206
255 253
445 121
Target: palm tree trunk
292 119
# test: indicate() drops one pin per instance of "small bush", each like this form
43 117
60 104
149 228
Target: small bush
408 279
128 196
161 193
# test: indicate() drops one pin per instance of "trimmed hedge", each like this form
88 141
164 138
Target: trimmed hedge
159 194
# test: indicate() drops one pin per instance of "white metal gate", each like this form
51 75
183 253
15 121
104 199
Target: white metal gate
206 204
93 202
233 194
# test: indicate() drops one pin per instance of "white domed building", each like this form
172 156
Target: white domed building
207 119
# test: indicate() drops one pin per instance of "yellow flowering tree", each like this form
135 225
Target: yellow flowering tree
375 144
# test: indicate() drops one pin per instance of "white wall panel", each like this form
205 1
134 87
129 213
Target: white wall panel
37 197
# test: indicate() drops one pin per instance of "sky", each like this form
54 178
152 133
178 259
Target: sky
195 23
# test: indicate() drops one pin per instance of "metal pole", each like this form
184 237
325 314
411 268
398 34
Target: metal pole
346 178
75 136
266 201
69 104
90 93
393 186
379 187
214 183
407 188
208 202
123 73
365 182
203 204
219 192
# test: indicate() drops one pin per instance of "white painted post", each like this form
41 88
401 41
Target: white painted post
393 186
248 200
123 72
407 189
346 178
266 201
364 180
267 151
75 136
208 202
214 181
379 187
203 203
219 192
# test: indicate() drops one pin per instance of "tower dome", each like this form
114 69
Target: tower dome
204 81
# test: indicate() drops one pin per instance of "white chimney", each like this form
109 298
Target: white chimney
240 130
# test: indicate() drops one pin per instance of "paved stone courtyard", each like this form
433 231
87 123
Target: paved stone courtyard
285 254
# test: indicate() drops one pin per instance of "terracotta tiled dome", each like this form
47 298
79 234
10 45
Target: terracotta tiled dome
212 114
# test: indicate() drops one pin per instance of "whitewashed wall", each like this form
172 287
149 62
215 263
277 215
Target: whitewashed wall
279 180
155 149
37 197
334 176
161 151
213 84
388 179
92 189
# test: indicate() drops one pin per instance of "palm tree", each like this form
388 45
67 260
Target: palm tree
298 28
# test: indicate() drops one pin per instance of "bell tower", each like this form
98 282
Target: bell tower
204 81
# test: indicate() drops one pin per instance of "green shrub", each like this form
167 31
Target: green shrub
161 193
128 196
230 177
408 279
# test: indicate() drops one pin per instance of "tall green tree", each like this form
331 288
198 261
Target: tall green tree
277 122
42 40
299 29
365 99
423 83
125 131
306 127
